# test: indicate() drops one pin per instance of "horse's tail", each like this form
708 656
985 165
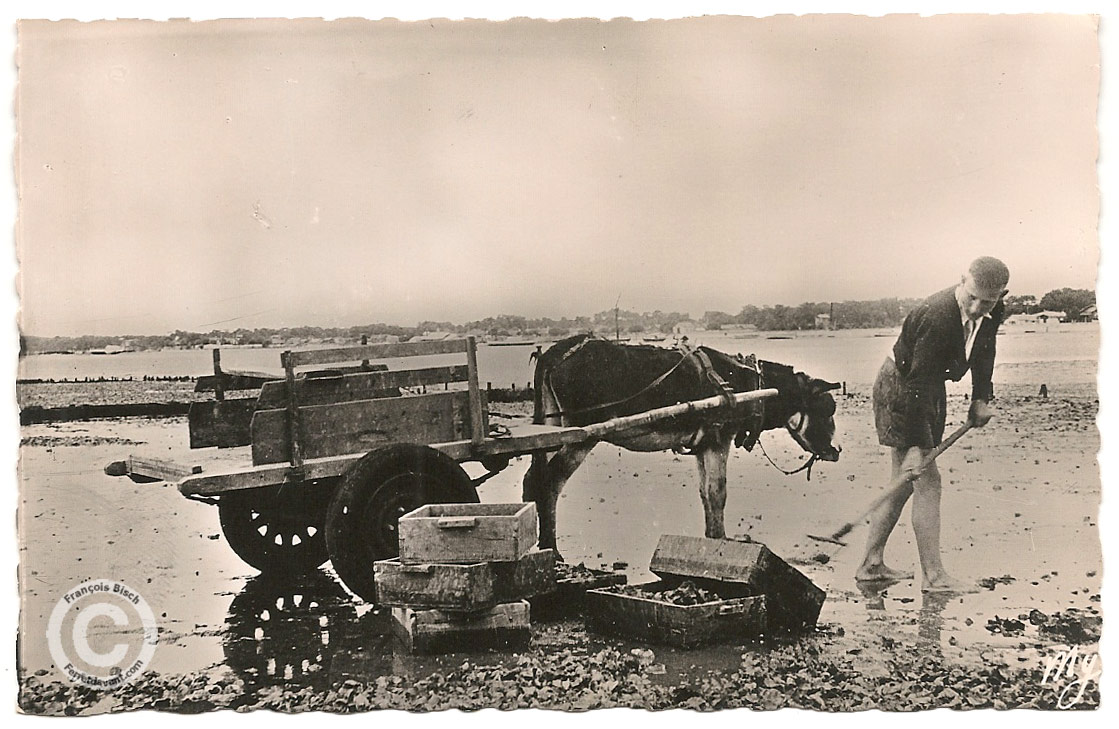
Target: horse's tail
545 362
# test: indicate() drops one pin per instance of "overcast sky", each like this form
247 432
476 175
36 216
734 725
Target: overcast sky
252 173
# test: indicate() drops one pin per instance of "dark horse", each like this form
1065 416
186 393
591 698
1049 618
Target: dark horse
584 379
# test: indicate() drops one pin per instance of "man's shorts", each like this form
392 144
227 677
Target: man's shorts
890 411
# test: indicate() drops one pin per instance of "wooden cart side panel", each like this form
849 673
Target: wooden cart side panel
361 386
221 423
362 425
230 380
377 351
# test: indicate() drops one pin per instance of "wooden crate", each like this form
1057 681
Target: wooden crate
568 597
452 587
467 533
531 575
464 587
793 602
733 617
504 627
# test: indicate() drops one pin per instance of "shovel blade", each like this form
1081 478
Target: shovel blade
829 540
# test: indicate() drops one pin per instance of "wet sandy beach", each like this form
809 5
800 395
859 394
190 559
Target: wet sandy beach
1020 504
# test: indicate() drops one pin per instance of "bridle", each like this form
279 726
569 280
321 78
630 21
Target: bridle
794 431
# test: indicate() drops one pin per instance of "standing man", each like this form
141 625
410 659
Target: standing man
951 332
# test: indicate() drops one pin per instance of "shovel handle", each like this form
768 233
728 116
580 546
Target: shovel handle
898 484
903 480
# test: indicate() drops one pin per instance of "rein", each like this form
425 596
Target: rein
806 465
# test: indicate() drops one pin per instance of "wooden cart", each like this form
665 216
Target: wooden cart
339 454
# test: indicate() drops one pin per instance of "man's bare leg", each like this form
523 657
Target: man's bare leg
926 525
882 523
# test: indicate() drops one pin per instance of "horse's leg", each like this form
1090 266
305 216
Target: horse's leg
545 480
712 463
534 486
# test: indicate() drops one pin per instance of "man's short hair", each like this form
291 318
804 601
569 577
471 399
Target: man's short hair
990 276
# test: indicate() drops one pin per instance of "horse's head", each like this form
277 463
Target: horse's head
811 421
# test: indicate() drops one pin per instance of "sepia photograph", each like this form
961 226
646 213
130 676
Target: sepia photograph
700 361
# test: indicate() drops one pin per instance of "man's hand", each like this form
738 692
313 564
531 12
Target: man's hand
979 414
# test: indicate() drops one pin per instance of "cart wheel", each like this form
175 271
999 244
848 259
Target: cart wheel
375 492
273 529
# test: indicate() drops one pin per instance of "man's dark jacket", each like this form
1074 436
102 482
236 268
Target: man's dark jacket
929 351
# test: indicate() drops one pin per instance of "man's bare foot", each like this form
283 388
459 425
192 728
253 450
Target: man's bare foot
871 573
946 583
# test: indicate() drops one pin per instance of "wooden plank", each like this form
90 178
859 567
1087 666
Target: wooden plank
526 437
794 601
156 469
221 423
217 483
377 351
219 390
230 380
599 430
292 420
360 386
465 533
478 425
362 425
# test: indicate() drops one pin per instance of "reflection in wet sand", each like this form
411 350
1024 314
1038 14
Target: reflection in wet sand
930 619
875 592
284 630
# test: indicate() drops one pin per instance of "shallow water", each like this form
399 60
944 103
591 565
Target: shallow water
1064 353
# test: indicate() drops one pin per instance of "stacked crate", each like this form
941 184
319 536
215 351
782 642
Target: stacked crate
463 577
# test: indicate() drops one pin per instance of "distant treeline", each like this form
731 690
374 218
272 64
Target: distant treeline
813 315
816 315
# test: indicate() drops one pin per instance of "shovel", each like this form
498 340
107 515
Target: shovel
896 485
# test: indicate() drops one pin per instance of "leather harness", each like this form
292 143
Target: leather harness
721 386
